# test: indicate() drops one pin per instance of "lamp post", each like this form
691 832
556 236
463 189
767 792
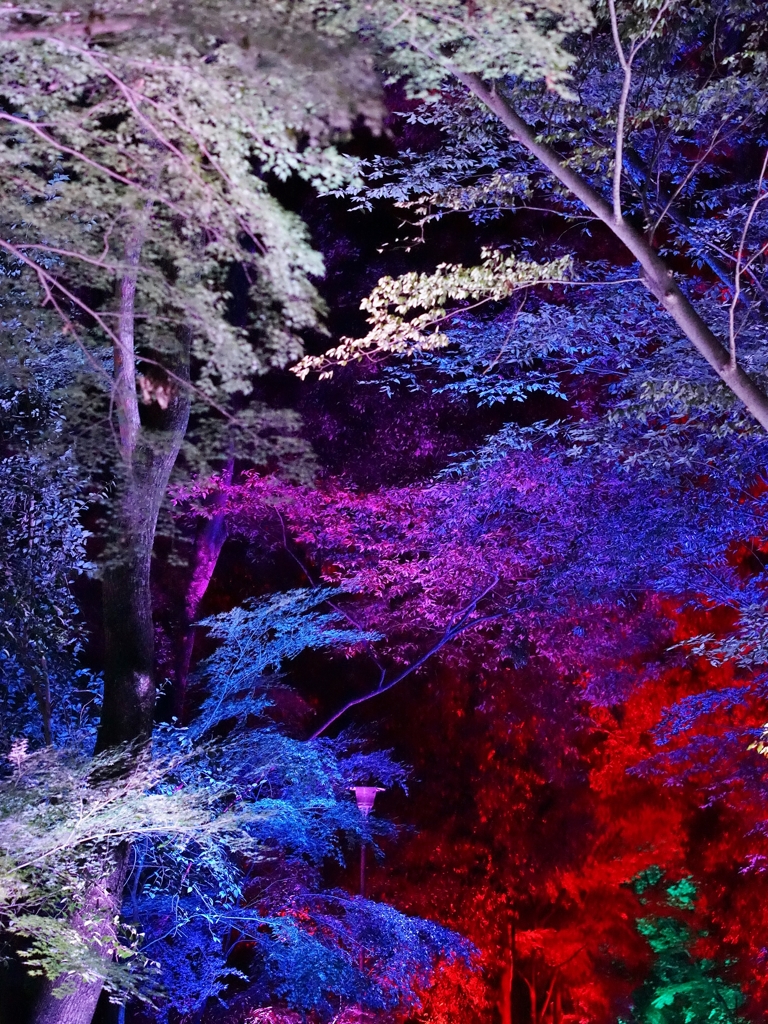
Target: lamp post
365 796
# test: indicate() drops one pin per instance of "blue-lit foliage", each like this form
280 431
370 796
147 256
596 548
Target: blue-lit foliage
256 639
261 898
233 826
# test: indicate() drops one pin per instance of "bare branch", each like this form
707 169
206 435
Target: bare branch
626 65
759 198
460 622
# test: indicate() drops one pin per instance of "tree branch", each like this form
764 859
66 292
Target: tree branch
460 622
79 155
657 277
626 66
759 198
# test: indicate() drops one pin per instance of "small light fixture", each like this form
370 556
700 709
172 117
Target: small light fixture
365 796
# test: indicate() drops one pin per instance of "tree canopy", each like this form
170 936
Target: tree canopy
383 404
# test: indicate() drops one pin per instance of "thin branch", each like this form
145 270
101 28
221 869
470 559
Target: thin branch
460 622
759 198
49 283
698 162
551 989
626 65
134 98
79 155
94 261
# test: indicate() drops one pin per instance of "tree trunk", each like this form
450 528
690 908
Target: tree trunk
96 920
76 1008
210 538
657 276
531 985
148 452
507 980
129 685
147 458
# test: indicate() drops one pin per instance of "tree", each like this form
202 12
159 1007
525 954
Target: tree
140 140
129 194
552 542
136 151
681 985
230 825
685 83
604 556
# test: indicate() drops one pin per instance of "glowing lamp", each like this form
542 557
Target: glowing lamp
365 795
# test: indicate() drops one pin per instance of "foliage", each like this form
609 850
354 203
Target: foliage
659 102
489 37
229 837
256 639
391 301
43 544
681 985
173 118
603 714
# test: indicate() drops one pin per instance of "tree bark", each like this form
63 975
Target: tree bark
657 277
147 458
129 683
209 540
94 921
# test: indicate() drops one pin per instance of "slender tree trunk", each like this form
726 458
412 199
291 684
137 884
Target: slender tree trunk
507 980
210 538
657 276
129 684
